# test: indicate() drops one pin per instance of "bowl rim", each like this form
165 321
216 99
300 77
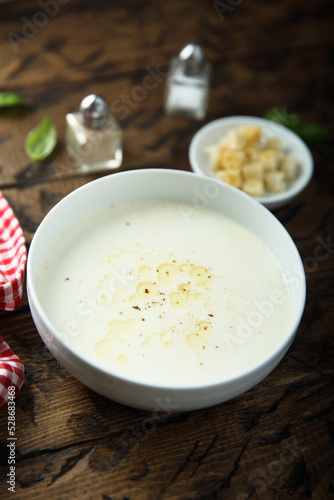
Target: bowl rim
271 198
268 360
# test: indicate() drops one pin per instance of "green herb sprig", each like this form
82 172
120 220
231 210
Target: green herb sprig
11 99
312 133
41 141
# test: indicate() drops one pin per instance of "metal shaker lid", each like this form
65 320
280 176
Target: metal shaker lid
192 58
94 111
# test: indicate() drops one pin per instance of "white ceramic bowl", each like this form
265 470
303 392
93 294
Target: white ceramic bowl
214 131
182 186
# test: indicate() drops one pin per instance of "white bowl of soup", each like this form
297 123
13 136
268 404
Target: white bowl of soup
165 290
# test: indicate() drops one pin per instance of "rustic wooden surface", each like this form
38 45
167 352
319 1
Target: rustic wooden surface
275 441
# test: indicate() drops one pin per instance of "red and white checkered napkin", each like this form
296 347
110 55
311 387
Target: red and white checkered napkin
13 257
11 373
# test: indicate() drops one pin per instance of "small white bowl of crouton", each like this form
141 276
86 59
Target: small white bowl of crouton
262 158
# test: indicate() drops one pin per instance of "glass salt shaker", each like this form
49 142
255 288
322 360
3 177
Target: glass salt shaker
188 83
93 136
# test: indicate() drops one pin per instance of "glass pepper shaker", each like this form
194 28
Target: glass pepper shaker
93 136
188 83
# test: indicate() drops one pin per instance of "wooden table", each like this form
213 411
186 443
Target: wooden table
275 441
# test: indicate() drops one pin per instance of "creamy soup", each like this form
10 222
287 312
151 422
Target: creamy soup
161 292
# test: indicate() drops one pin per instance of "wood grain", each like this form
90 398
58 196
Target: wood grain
275 441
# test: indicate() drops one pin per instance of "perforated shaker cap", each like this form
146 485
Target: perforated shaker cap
95 111
192 58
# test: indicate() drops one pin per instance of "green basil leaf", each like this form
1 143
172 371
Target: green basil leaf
41 141
9 99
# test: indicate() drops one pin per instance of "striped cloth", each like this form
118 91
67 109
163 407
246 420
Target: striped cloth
13 257
11 373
